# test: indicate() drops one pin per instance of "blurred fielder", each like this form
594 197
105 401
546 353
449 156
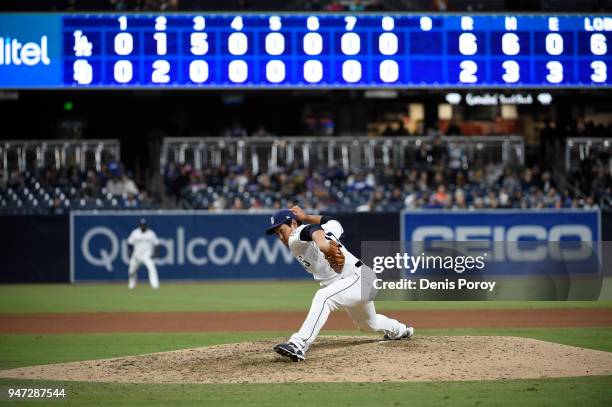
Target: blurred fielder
143 242
315 242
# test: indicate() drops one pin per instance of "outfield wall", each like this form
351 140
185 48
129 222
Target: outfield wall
88 246
34 248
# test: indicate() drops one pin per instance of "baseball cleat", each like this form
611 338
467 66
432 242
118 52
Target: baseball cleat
290 351
408 334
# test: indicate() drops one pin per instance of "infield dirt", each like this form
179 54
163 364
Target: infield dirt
341 359
107 322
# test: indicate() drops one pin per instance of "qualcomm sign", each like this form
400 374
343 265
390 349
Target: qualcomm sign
192 246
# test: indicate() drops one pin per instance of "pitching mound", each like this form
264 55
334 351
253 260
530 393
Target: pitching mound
341 359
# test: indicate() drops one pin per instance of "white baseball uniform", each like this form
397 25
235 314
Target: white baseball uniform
340 290
144 246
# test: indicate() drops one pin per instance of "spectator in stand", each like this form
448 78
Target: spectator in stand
546 182
173 5
243 5
528 180
453 129
504 198
357 5
376 5
460 201
388 131
313 5
548 138
440 5
335 6
401 129
441 199
236 131
150 5
511 182
15 180
120 185
601 181
161 5
589 203
71 6
262 132
119 5
49 190
238 204
366 190
91 184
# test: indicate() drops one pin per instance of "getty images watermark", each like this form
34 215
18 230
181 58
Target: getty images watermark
487 270
412 264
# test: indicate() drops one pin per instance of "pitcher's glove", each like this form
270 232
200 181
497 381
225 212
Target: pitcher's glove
335 257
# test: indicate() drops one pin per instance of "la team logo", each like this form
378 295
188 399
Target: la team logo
32 53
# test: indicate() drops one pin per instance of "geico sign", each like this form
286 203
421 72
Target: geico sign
517 243
198 251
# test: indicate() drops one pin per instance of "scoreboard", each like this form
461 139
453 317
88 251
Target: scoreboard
293 50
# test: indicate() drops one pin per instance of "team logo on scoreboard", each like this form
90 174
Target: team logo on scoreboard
32 53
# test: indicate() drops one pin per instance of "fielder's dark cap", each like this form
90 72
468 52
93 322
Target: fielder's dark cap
279 218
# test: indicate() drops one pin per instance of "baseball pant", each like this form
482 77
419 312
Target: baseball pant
345 293
151 269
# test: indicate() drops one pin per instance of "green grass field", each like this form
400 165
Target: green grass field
217 296
594 391
26 350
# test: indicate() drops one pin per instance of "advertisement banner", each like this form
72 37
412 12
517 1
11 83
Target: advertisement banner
514 242
192 246
501 254
501 225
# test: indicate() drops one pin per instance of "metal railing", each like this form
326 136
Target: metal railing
22 155
275 153
580 149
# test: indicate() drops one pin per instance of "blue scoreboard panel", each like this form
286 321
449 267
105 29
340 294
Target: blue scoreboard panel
304 51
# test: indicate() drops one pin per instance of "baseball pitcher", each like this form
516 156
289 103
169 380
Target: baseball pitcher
315 242
143 242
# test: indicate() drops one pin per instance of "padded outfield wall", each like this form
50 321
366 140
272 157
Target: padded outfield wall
88 246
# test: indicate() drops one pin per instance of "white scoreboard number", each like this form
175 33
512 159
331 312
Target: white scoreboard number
511 46
123 71
198 41
600 73
468 45
161 67
275 45
599 47
386 43
350 44
554 46
512 71
237 44
312 45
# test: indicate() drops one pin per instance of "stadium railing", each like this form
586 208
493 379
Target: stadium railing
580 149
24 155
351 153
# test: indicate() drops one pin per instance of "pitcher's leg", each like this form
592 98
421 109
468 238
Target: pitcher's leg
340 294
153 279
365 316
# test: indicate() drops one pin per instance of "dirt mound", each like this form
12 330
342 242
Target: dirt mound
341 359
